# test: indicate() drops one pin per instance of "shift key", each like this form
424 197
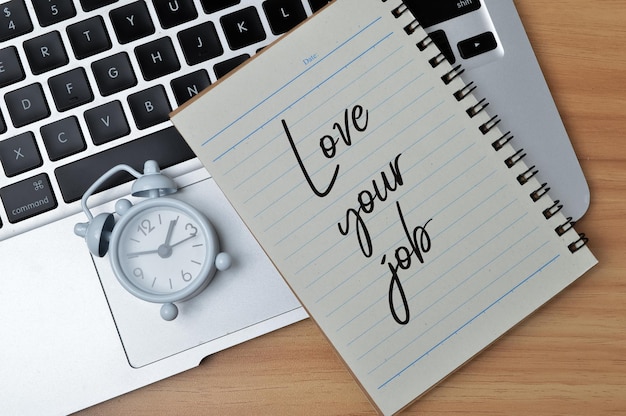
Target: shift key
28 198
430 13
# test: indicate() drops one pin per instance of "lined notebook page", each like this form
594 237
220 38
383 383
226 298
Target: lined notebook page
384 207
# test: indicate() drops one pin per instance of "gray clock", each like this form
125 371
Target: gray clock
162 250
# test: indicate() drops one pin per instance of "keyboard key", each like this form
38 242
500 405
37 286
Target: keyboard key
45 52
114 74
3 126
200 43
174 12
51 12
440 39
243 28
131 22
14 20
149 107
10 66
166 146
19 154
63 138
88 37
225 67
190 85
212 6
28 198
27 105
157 58
283 15
70 89
430 13
107 122
318 4
89 5
477 45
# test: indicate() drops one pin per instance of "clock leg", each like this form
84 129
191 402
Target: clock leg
169 311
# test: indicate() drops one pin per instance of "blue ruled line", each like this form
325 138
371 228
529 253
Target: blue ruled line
296 78
443 341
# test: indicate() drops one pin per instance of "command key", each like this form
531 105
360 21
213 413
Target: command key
28 198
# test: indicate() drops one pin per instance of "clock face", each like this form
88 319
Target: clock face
164 250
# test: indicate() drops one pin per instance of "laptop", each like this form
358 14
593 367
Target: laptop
88 84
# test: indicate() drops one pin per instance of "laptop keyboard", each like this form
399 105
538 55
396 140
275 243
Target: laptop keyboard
88 84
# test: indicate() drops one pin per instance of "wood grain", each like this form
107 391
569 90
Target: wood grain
569 358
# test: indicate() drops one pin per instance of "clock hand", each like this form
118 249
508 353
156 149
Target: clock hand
183 240
170 231
139 253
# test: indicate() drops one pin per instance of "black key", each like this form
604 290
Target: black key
63 138
477 45
51 12
190 85
14 20
3 126
114 74
200 43
283 15
166 146
318 4
107 122
132 22
157 58
10 66
19 154
28 198
225 67
70 89
174 12
45 52
89 5
27 105
88 37
430 13
440 39
212 6
149 107
243 28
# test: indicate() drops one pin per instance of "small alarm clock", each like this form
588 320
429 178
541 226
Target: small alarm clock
162 250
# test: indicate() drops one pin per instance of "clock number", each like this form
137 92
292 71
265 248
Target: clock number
145 227
186 276
193 231
138 273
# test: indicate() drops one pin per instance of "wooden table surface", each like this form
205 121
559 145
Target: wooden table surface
569 358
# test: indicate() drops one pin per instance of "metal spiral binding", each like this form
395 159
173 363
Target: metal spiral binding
578 244
515 158
528 175
486 127
477 108
465 91
455 72
563 228
553 210
540 193
424 43
437 60
502 141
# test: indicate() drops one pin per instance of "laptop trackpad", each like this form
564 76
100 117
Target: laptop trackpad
248 293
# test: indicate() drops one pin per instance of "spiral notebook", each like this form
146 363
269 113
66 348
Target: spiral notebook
385 194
